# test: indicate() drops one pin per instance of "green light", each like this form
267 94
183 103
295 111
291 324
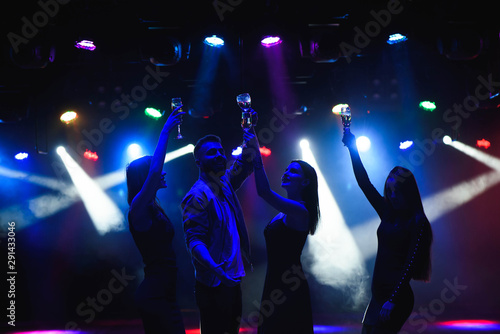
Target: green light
153 113
427 105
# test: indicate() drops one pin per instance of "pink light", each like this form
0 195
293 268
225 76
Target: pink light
269 41
85 44
470 324
49 332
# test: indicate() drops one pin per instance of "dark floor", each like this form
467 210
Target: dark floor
133 326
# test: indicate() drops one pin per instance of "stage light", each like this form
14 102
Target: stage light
483 143
447 140
269 41
363 143
334 240
153 112
427 105
134 151
474 325
264 151
103 212
86 45
90 155
237 151
214 41
339 108
68 117
396 38
179 152
304 144
405 145
21 156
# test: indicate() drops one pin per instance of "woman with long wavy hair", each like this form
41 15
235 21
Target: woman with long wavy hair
286 303
404 244
153 233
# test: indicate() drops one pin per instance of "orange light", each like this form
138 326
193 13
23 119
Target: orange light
68 117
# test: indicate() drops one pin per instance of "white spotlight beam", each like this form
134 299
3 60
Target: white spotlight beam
488 160
46 205
332 251
102 210
436 206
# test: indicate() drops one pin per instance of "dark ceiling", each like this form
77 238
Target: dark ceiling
451 44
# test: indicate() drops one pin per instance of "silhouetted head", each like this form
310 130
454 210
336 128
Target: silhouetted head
300 177
209 154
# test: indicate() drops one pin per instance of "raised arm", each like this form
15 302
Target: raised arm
373 196
138 207
289 207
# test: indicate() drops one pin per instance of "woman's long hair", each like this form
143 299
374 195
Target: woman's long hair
310 194
407 188
137 172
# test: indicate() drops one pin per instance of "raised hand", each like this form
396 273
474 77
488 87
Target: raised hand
349 139
173 119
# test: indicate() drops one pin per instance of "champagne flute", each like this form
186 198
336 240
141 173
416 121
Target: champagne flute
176 102
244 102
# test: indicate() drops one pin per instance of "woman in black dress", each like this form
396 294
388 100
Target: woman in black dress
286 305
153 233
404 245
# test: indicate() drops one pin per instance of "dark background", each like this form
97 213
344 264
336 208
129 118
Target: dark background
62 260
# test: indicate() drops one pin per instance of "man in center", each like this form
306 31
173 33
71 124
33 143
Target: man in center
216 234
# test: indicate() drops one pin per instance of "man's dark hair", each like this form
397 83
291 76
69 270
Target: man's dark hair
203 140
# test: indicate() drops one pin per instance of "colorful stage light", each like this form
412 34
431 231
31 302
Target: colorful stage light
103 212
214 41
21 156
269 41
471 325
406 144
68 117
427 105
396 38
264 151
483 143
86 45
153 112
339 108
90 155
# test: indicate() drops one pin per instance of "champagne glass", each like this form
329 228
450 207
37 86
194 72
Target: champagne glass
176 102
244 102
345 115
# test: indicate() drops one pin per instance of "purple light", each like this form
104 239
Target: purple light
269 41
49 332
86 45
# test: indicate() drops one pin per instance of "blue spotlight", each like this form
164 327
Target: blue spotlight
406 144
21 156
396 38
214 41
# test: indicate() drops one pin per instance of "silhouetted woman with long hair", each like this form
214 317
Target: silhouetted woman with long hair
153 234
286 303
404 245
